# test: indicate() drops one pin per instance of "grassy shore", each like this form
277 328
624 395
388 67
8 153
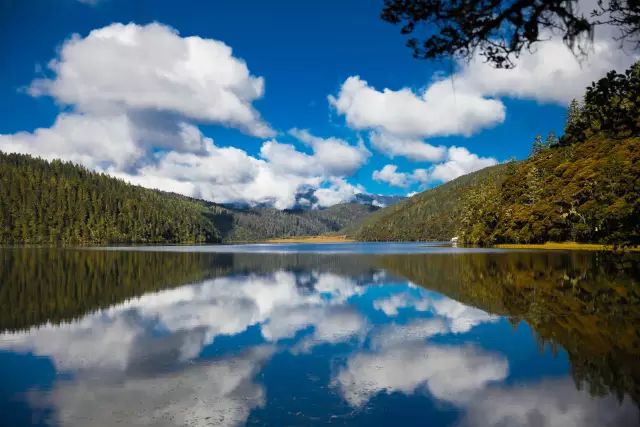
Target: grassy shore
566 246
311 239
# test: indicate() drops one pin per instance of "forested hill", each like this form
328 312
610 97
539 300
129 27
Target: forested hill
246 225
584 186
431 215
59 202
62 203
584 192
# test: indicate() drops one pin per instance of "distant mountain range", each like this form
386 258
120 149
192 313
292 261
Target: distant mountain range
378 200
306 200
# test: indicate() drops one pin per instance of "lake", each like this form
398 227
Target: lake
342 334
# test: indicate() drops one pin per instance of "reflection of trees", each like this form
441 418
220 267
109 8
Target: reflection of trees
587 303
39 285
49 285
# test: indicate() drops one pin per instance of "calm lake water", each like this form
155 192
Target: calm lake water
348 334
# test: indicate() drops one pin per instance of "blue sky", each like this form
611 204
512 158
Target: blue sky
303 52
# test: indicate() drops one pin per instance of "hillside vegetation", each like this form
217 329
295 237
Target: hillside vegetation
431 215
246 225
59 202
583 187
584 192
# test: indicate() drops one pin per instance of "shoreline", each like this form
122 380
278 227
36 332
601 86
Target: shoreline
567 246
311 239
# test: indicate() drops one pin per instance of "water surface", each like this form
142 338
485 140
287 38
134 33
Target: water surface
345 334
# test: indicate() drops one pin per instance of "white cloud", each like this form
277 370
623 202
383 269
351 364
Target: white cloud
459 318
546 404
331 156
399 120
222 392
411 148
221 174
439 110
390 175
467 101
335 324
390 305
462 104
92 141
551 73
459 161
137 95
418 329
448 373
197 314
339 191
335 155
462 318
152 67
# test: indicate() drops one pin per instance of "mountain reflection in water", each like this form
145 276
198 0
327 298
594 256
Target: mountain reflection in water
93 337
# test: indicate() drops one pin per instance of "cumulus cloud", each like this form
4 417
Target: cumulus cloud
195 315
338 191
545 404
400 120
464 103
416 330
459 318
448 373
439 110
400 360
152 67
92 141
335 155
551 73
468 100
390 305
331 156
411 148
137 95
390 175
459 161
225 389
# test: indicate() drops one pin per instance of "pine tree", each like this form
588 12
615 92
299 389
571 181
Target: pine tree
537 146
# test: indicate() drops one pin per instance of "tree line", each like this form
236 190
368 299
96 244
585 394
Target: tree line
584 186
62 203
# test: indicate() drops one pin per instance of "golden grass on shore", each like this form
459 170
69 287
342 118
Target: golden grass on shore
566 246
312 239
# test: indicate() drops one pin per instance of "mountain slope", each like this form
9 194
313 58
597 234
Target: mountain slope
431 215
584 186
62 203
588 191
59 202
241 225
